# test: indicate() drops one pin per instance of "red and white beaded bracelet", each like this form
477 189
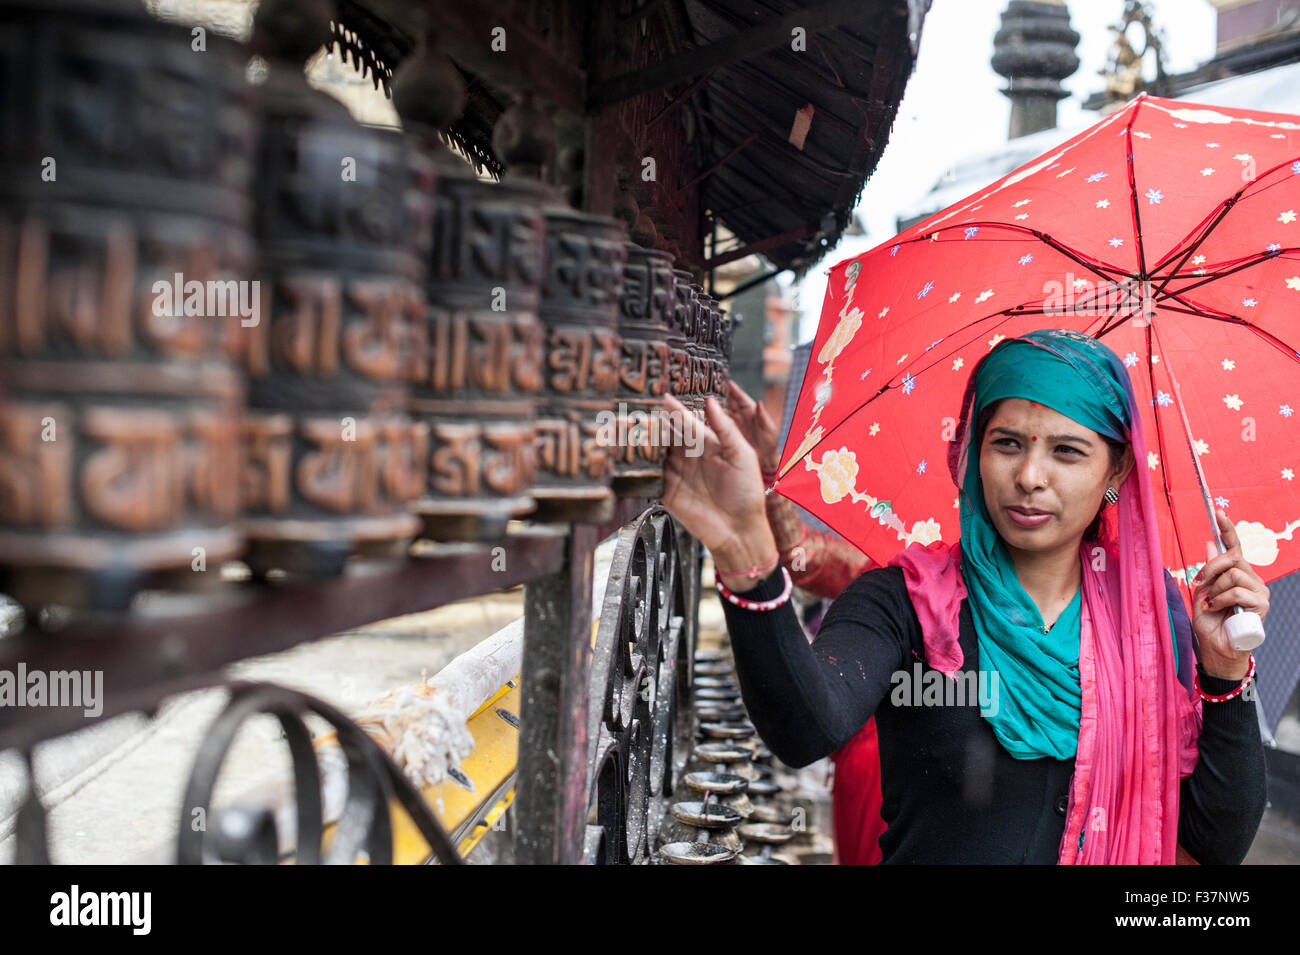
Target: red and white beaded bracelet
1250 675
772 604
758 570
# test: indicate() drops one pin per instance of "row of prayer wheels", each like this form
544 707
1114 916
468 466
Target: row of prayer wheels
235 323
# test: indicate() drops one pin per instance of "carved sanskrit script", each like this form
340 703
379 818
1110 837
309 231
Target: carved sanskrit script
644 370
470 459
582 359
35 474
342 474
647 290
150 463
377 464
322 325
478 240
492 355
571 448
88 299
681 371
583 270
268 454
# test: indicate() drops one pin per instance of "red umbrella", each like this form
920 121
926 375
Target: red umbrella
1171 232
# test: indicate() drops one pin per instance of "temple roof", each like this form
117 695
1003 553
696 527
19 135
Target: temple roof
781 190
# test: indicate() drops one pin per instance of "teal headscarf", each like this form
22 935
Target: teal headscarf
1037 674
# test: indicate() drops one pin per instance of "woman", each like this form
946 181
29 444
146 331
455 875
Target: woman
1095 737
823 563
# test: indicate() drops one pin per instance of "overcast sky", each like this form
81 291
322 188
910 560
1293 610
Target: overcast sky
952 107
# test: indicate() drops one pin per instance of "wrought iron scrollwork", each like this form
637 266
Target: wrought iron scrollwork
250 836
639 718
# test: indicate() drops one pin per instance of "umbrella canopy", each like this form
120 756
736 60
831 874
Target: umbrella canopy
1169 231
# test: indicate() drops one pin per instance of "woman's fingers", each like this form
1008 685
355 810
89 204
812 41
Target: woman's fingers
1228 532
1247 598
685 429
1225 580
1216 564
739 394
725 430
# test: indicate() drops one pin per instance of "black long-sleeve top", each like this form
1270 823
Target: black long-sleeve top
951 792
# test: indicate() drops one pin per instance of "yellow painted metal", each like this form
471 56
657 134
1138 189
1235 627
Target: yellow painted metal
488 821
489 766
496 696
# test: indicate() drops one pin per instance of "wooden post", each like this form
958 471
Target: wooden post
552 775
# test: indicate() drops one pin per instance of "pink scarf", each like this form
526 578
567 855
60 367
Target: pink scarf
1138 726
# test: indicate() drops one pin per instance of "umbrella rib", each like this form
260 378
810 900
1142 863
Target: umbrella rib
1261 257
1100 270
1207 226
1214 315
1132 188
1164 451
1267 336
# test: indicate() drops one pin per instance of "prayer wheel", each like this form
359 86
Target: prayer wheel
719 359
332 459
125 260
481 369
645 323
682 330
581 289
695 368
477 364
704 352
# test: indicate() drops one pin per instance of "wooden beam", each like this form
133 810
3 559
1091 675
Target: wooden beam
739 46
762 245
707 172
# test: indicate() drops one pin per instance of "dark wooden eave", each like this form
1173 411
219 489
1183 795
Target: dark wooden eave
728 75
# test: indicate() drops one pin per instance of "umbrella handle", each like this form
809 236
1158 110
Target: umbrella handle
1245 629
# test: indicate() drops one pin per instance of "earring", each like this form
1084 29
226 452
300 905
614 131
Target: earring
1111 495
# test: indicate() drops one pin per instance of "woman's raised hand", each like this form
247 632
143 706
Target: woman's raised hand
712 484
1225 581
755 424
